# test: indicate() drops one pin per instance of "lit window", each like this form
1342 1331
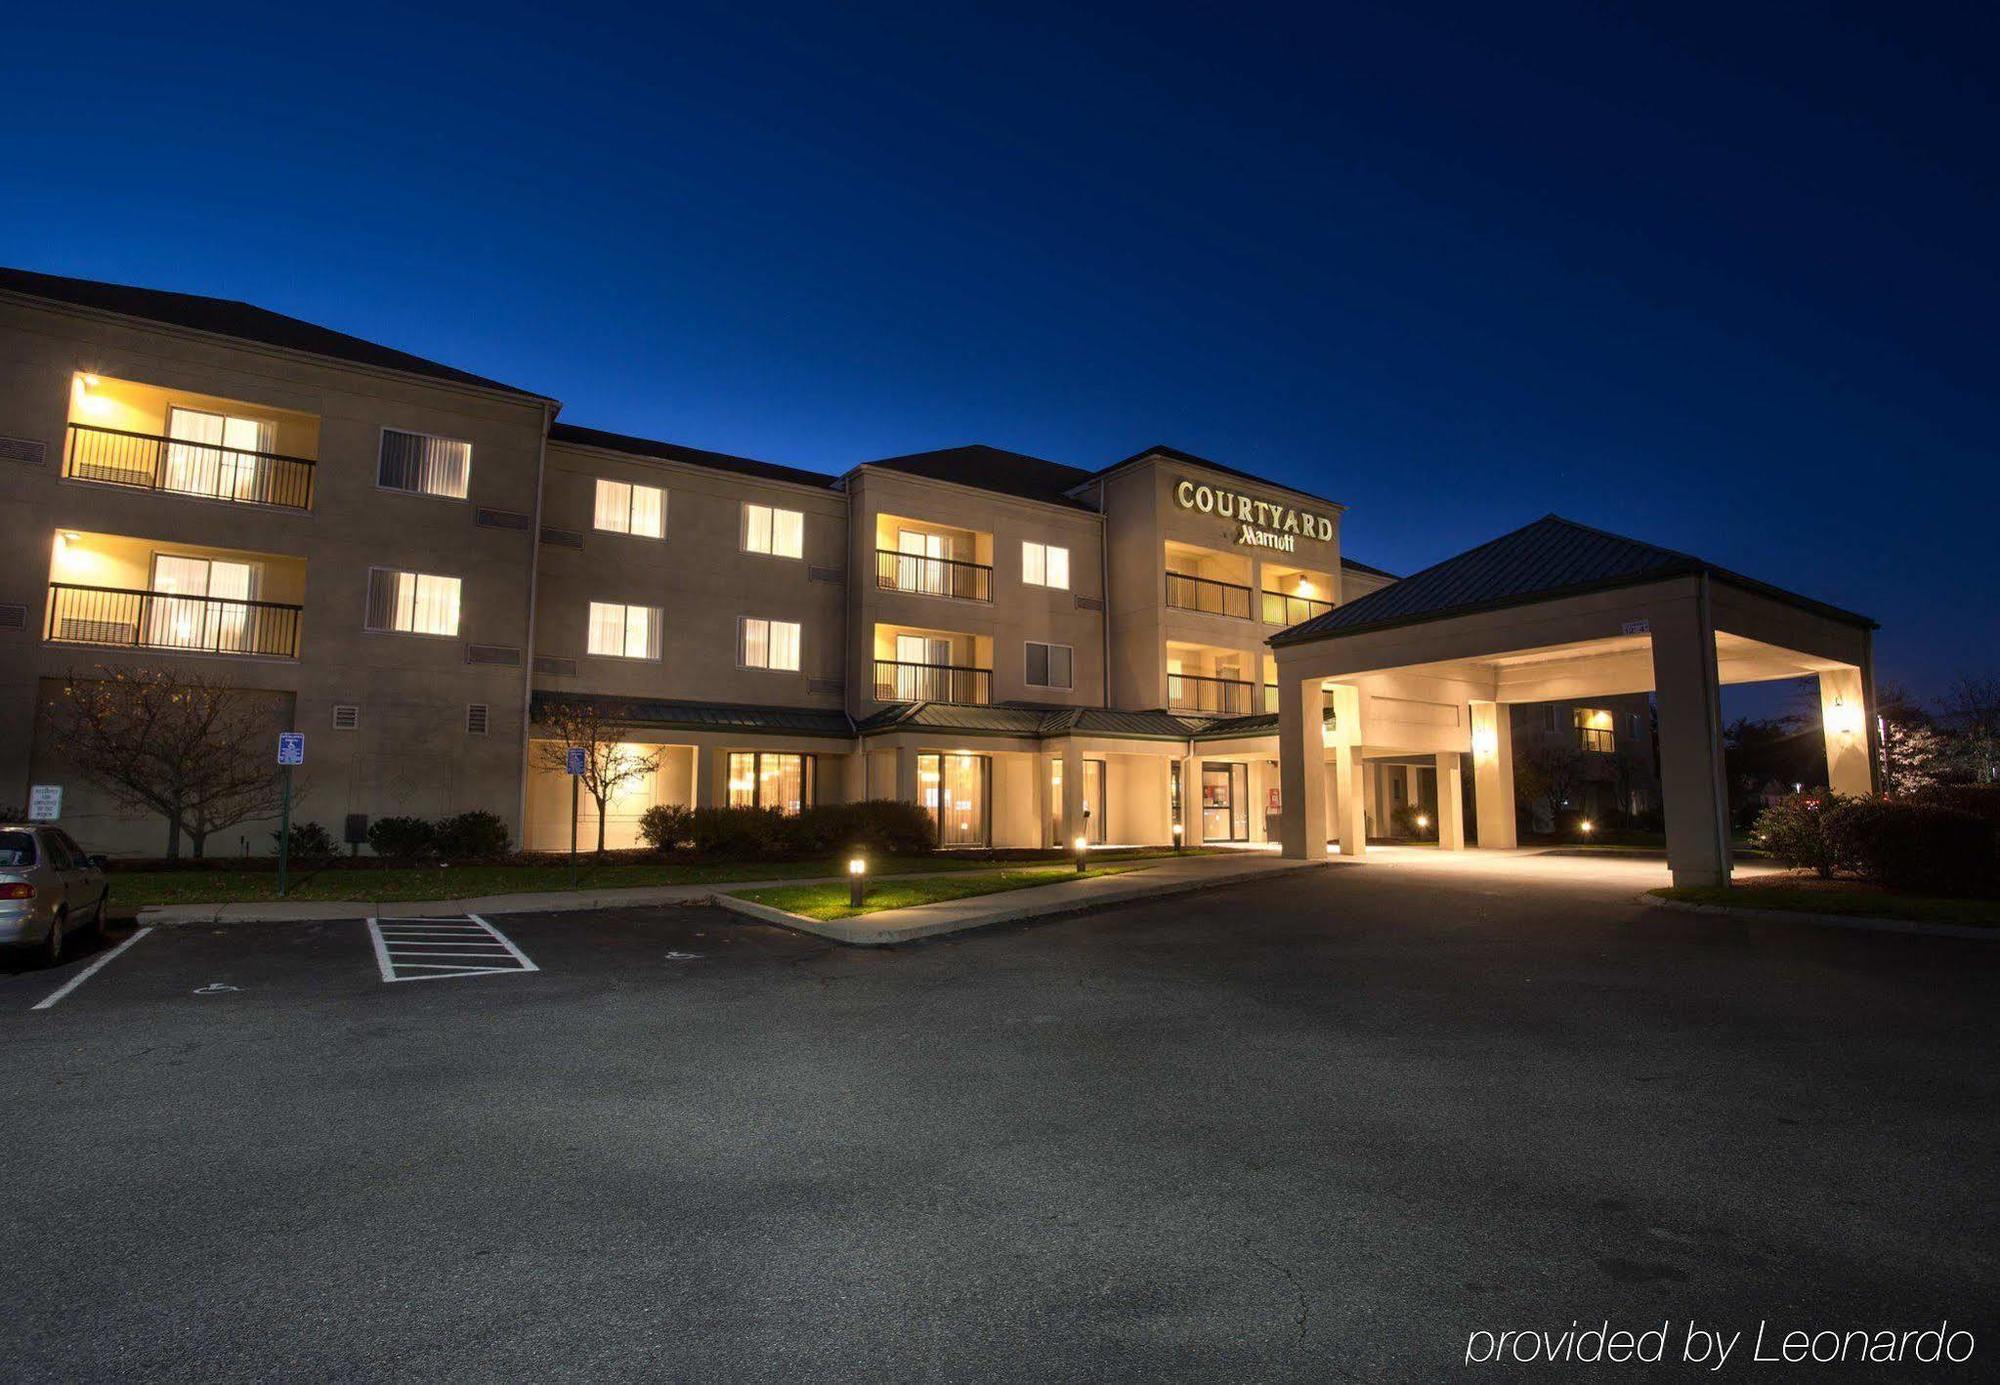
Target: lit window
770 643
1049 665
624 632
1044 565
765 779
1594 730
781 533
424 465
623 508
412 603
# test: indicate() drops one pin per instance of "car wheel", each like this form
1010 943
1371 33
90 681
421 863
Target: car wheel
52 946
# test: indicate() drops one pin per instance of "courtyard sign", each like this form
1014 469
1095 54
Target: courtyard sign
1259 523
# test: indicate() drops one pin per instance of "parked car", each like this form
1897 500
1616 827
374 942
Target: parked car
49 888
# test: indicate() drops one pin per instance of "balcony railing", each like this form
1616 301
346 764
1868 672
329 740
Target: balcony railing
1187 592
1325 697
912 572
896 681
1280 609
164 620
1222 697
148 461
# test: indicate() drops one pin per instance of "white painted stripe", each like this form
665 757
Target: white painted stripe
446 947
91 970
381 951
519 956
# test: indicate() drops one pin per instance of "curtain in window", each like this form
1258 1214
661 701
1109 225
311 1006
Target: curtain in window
742 779
642 632
431 466
757 528
788 531
649 511
191 463
1058 567
784 640
607 628
614 506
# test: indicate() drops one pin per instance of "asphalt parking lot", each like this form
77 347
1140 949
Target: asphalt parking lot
1316 1127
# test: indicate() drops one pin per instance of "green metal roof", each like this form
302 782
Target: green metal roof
708 716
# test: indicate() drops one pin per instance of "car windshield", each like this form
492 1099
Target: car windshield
17 848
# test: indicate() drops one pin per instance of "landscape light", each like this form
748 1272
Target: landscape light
1082 845
1177 837
1423 821
1586 826
857 870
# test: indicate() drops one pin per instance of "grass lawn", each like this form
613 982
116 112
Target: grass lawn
364 883
1809 894
830 901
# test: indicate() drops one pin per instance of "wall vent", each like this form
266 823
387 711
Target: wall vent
346 716
33 451
502 519
1089 603
13 617
558 668
826 574
504 655
825 685
562 538
475 719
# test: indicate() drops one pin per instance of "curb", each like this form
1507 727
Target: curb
856 932
1854 922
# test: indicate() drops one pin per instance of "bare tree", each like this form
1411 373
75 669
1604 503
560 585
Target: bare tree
199 753
609 763
1973 707
1547 772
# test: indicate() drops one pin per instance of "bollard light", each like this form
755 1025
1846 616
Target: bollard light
1423 821
1178 843
1082 845
1586 826
857 871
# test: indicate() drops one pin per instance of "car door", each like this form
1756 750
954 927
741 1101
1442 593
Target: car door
58 870
90 884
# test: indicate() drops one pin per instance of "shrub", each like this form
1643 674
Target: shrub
1921 847
310 842
404 839
1794 831
476 835
879 827
665 826
1981 800
741 832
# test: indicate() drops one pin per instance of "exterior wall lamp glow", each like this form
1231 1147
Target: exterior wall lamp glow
1842 719
1485 743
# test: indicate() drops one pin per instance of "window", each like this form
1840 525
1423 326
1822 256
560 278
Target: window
623 508
624 632
770 644
412 603
17 848
424 465
1632 725
475 718
215 454
766 779
1049 665
1593 730
781 533
346 716
953 789
1044 565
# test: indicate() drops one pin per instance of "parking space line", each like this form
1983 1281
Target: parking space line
434 948
90 970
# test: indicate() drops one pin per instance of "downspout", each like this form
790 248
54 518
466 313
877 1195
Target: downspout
1104 586
534 576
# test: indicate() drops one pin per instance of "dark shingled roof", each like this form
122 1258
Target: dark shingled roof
1019 719
1550 558
693 456
225 317
707 716
994 469
1346 561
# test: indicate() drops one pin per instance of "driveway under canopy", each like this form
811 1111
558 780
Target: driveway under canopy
1555 610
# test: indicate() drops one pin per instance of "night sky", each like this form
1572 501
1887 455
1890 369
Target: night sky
1722 280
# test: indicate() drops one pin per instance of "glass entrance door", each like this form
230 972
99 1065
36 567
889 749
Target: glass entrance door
954 789
1225 803
1093 800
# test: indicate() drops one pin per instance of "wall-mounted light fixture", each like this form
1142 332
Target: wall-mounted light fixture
1485 742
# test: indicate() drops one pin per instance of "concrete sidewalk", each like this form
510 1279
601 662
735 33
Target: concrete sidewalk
1174 875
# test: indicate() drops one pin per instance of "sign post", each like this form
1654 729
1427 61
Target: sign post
573 763
44 802
291 751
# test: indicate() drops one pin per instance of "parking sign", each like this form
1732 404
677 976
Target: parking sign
573 760
44 802
291 747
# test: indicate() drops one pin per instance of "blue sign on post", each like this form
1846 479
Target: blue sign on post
573 760
291 747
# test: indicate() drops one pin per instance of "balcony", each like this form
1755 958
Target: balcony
927 576
897 681
1281 609
133 619
1215 697
1187 592
179 466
